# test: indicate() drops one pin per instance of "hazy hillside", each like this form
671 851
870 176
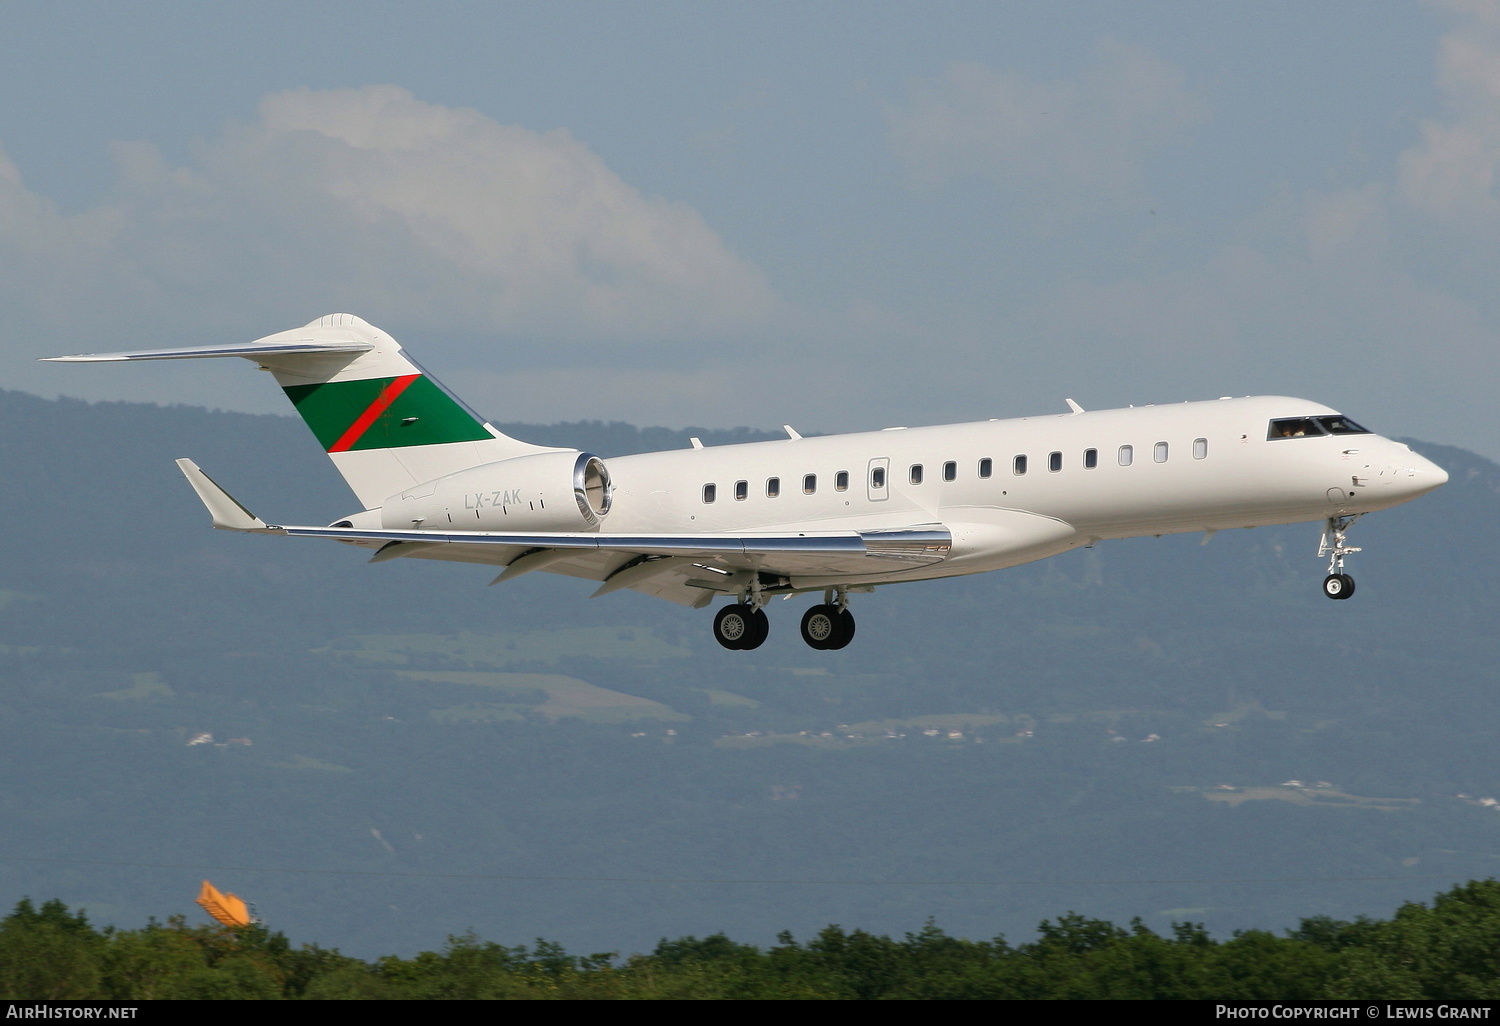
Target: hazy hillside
427 754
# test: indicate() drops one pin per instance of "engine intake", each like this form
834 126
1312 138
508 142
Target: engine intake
549 491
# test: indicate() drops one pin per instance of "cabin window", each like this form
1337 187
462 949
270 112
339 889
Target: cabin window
1054 461
773 487
1090 458
986 467
877 478
741 491
1126 455
1200 448
916 473
1159 453
950 471
710 492
841 481
809 484
1018 466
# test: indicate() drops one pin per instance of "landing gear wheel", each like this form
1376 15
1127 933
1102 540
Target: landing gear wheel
761 627
846 629
734 625
827 627
819 625
1338 586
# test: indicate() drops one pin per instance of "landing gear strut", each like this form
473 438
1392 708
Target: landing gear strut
829 625
1337 585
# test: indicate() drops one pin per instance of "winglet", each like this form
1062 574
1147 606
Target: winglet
228 514
1074 406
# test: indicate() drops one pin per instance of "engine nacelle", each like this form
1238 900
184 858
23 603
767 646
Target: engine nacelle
549 491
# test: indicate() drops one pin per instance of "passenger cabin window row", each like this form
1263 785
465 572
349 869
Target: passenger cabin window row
773 487
1296 427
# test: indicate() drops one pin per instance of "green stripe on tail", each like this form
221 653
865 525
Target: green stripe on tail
421 414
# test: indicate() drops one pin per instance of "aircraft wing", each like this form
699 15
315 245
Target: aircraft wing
654 562
685 568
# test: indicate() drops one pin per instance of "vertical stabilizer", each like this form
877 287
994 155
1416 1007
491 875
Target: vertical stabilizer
384 421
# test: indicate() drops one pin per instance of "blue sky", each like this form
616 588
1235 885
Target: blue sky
838 215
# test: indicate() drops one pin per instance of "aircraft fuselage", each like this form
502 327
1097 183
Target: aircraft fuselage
1192 466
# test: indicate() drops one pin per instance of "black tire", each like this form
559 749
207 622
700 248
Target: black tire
821 626
846 629
760 625
1338 586
734 625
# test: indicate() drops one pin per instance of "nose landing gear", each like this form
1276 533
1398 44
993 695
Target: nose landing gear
1337 585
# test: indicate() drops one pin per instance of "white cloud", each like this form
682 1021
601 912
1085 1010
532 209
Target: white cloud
1082 139
369 199
1451 175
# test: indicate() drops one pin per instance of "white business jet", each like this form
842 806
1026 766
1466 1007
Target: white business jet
833 515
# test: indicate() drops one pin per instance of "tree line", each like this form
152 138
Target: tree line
1448 950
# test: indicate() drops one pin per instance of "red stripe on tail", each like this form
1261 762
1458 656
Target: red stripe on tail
389 394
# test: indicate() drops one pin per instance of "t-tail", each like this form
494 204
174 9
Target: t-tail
385 422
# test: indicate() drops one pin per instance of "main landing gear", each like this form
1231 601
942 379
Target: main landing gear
829 625
744 625
1337 585
741 626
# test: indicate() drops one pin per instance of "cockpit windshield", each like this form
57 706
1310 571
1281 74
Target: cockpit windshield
1294 427
1342 426
1308 427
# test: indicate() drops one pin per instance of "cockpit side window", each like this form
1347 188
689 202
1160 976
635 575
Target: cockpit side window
1342 426
1294 427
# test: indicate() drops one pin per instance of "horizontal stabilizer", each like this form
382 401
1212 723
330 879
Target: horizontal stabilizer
227 513
250 350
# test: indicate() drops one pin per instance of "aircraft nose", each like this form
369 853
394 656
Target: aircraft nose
1417 475
1439 476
